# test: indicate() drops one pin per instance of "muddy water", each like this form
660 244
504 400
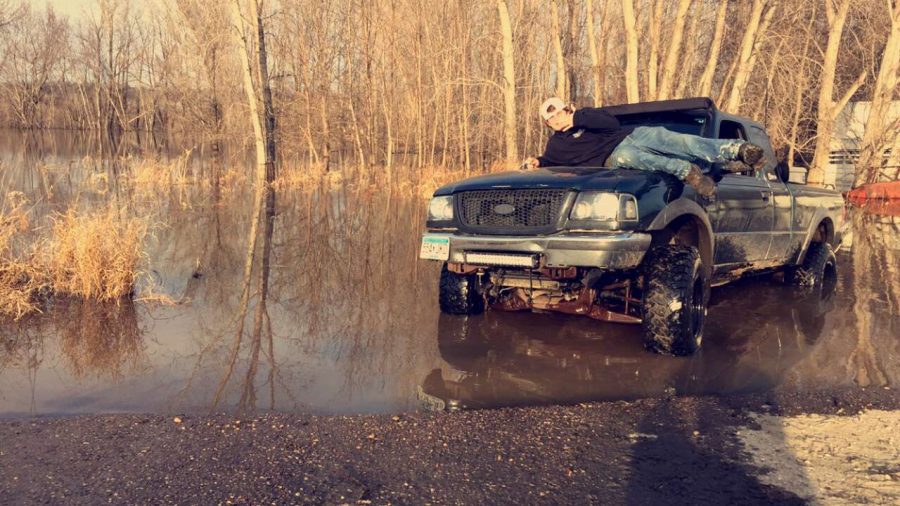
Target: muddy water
351 321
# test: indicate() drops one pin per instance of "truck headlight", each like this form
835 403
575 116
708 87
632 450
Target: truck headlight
604 206
440 209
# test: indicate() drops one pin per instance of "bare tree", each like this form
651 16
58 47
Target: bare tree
671 63
598 55
745 59
706 80
562 84
631 52
877 136
509 83
34 50
828 109
10 13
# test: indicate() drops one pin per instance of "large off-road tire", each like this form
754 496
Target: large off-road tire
458 293
676 292
811 274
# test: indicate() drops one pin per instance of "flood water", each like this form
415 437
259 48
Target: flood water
351 321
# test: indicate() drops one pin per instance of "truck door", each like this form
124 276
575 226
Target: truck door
744 213
784 243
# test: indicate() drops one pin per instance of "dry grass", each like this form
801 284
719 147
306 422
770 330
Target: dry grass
154 173
20 278
96 255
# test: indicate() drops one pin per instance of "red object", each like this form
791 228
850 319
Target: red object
890 190
877 198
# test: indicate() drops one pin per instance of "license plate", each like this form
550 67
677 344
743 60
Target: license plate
435 248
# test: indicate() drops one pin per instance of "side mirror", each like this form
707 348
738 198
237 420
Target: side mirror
783 171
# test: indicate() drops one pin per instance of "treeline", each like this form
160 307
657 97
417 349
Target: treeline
453 82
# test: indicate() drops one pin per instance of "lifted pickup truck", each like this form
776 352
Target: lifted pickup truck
625 245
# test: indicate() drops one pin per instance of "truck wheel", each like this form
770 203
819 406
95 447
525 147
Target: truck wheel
458 293
676 292
812 273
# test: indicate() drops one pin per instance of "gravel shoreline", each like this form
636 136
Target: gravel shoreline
653 451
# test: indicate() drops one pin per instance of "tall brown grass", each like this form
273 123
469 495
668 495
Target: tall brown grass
20 280
93 255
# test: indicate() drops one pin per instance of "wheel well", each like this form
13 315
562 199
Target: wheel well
824 232
687 230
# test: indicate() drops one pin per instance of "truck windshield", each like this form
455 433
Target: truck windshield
686 122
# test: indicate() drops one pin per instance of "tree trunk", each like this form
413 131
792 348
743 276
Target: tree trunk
261 137
800 80
509 85
743 58
826 107
710 70
653 64
691 57
268 107
632 92
875 138
671 63
596 68
562 85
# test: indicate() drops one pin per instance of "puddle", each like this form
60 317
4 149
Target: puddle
351 322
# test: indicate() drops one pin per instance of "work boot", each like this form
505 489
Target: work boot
752 155
736 167
704 186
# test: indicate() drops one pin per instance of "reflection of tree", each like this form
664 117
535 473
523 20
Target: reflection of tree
261 321
96 340
876 288
22 346
332 282
101 340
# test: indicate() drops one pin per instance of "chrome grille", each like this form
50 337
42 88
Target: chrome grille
510 211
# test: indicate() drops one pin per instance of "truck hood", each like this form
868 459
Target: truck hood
635 182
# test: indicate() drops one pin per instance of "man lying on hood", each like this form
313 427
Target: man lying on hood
592 137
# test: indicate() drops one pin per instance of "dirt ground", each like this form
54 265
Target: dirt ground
827 447
829 459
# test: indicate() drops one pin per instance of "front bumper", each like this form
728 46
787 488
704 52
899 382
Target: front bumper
622 250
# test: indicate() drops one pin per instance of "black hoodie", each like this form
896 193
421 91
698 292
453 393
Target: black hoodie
594 135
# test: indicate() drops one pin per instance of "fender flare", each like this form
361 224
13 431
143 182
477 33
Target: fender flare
680 208
821 215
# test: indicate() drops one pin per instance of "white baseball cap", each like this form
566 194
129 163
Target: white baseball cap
550 107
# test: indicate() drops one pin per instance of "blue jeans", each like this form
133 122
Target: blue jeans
656 148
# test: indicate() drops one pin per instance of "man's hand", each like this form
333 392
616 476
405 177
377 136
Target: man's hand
531 163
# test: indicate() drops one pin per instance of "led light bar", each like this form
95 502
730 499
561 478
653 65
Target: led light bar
502 259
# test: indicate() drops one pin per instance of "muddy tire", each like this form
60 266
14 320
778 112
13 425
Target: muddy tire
458 294
812 273
676 292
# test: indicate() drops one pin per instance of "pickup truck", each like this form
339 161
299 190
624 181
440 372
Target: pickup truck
630 246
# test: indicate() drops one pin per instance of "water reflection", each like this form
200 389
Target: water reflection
100 340
344 319
513 359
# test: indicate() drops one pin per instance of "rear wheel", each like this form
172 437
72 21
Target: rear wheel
676 292
811 273
458 293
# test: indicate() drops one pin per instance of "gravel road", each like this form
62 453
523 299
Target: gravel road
655 451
